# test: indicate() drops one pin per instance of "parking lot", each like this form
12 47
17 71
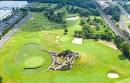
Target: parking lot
9 22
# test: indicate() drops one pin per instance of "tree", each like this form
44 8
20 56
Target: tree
118 41
125 48
109 36
97 26
65 31
55 16
129 26
114 11
82 22
65 53
78 33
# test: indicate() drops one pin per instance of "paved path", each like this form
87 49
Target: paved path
6 37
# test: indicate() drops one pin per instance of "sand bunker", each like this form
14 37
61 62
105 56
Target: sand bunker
72 18
77 41
113 75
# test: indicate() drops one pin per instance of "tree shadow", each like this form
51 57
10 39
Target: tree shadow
0 79
124 57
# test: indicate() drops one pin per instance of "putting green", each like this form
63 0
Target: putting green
32 59
34 62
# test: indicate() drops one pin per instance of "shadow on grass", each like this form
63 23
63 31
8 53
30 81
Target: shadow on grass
0 79
123 57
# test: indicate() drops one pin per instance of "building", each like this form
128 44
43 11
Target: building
104 3
12 4
5 14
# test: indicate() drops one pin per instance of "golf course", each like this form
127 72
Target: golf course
24 58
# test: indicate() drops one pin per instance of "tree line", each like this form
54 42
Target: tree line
114 12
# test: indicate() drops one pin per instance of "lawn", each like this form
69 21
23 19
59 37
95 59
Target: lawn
95 62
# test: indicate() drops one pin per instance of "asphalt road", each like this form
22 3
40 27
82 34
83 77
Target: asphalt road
123 25
5 38
115 29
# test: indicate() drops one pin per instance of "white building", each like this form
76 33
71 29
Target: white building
103 3
4 14
12 4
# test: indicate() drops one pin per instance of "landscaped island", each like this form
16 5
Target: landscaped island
64 60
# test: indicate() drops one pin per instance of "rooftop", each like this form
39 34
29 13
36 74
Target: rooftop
12 4
5 13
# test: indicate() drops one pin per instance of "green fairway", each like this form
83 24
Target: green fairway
64 38
25 50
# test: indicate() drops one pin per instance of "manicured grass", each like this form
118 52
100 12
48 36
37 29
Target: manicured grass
92 67
34 62
31 56
64 38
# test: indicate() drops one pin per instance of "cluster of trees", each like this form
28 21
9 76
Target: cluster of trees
40 7
94 33
55 16
114 12
126 34
123 46
0 79
90 33
65 53
82 11
37 9
78 34
127 8
79 3
84 7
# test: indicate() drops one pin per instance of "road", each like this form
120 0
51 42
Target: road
5 38
123 25
115 29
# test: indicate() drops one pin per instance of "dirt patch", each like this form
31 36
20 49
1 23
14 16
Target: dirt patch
83 58
109 44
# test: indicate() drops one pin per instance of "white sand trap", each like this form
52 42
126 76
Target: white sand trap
77 41
113 75
73 18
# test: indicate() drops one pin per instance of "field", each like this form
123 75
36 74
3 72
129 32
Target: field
97 59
